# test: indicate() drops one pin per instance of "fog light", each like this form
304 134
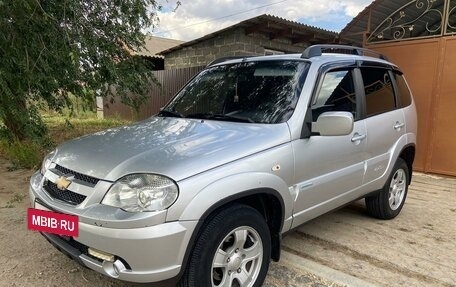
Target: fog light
101 255
114 269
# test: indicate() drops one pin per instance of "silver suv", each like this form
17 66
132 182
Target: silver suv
251 148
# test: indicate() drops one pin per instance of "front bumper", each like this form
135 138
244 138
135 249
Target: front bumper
149 254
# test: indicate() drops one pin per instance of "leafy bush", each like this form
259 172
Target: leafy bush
22 154
29 154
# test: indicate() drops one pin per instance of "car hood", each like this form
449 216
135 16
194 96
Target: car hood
175 147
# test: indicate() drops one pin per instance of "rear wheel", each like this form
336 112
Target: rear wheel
233 250
388 203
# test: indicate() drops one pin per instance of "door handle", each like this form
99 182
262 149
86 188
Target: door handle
357 137
398 126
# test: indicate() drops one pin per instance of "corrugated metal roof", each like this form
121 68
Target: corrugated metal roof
154 45
265 23
379 9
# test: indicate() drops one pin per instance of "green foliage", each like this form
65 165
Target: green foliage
50 50
29 154
63 128
22 154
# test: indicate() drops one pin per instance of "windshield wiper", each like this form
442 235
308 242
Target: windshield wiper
168 113
221 117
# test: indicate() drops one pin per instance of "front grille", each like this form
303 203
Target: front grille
77 175
64 195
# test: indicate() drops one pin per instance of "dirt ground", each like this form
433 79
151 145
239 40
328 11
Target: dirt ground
416 249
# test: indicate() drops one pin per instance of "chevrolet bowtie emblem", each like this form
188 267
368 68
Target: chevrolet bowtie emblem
62 183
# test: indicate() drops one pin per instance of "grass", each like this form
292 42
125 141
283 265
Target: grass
61 128
17 198
21 154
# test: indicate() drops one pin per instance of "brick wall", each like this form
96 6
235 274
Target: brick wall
230 43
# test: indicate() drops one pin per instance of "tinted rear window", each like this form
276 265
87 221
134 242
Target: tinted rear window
379 91
403 90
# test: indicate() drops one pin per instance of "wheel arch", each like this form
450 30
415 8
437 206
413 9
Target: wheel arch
261 199
408 155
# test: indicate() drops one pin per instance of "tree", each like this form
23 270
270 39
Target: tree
51 49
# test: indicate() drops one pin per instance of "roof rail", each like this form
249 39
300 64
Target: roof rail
228 58
318 50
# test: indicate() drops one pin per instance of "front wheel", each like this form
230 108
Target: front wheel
388 203
233 250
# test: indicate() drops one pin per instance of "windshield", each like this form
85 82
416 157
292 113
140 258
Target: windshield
256 92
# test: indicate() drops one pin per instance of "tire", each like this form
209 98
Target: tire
387 204
233 246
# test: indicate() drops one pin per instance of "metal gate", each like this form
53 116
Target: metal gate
430 68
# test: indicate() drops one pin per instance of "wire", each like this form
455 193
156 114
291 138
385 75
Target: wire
219 18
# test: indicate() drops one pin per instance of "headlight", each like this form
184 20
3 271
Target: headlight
142 192
47 162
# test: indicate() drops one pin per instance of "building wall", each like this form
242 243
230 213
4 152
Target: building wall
230 43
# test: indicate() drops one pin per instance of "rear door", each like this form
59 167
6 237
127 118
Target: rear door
385 121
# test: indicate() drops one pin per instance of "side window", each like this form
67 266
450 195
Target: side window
379 91
403 90
336 93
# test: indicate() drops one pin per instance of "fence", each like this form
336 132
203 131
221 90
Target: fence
171 82
429 66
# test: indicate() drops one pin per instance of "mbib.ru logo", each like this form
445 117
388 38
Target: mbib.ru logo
52 222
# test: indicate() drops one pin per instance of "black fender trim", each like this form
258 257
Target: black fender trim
64 247
409 164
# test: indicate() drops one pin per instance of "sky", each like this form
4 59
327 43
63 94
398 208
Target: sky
195 18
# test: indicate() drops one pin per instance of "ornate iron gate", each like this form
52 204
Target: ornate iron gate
450 27
415 20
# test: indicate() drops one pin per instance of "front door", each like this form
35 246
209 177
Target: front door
329 168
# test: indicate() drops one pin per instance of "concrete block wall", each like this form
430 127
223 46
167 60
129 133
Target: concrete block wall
230 43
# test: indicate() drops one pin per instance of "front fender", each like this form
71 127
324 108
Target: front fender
237 186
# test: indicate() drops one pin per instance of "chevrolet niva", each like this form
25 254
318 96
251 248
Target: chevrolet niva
250 148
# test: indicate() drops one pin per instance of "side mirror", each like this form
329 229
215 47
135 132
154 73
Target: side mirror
334 124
